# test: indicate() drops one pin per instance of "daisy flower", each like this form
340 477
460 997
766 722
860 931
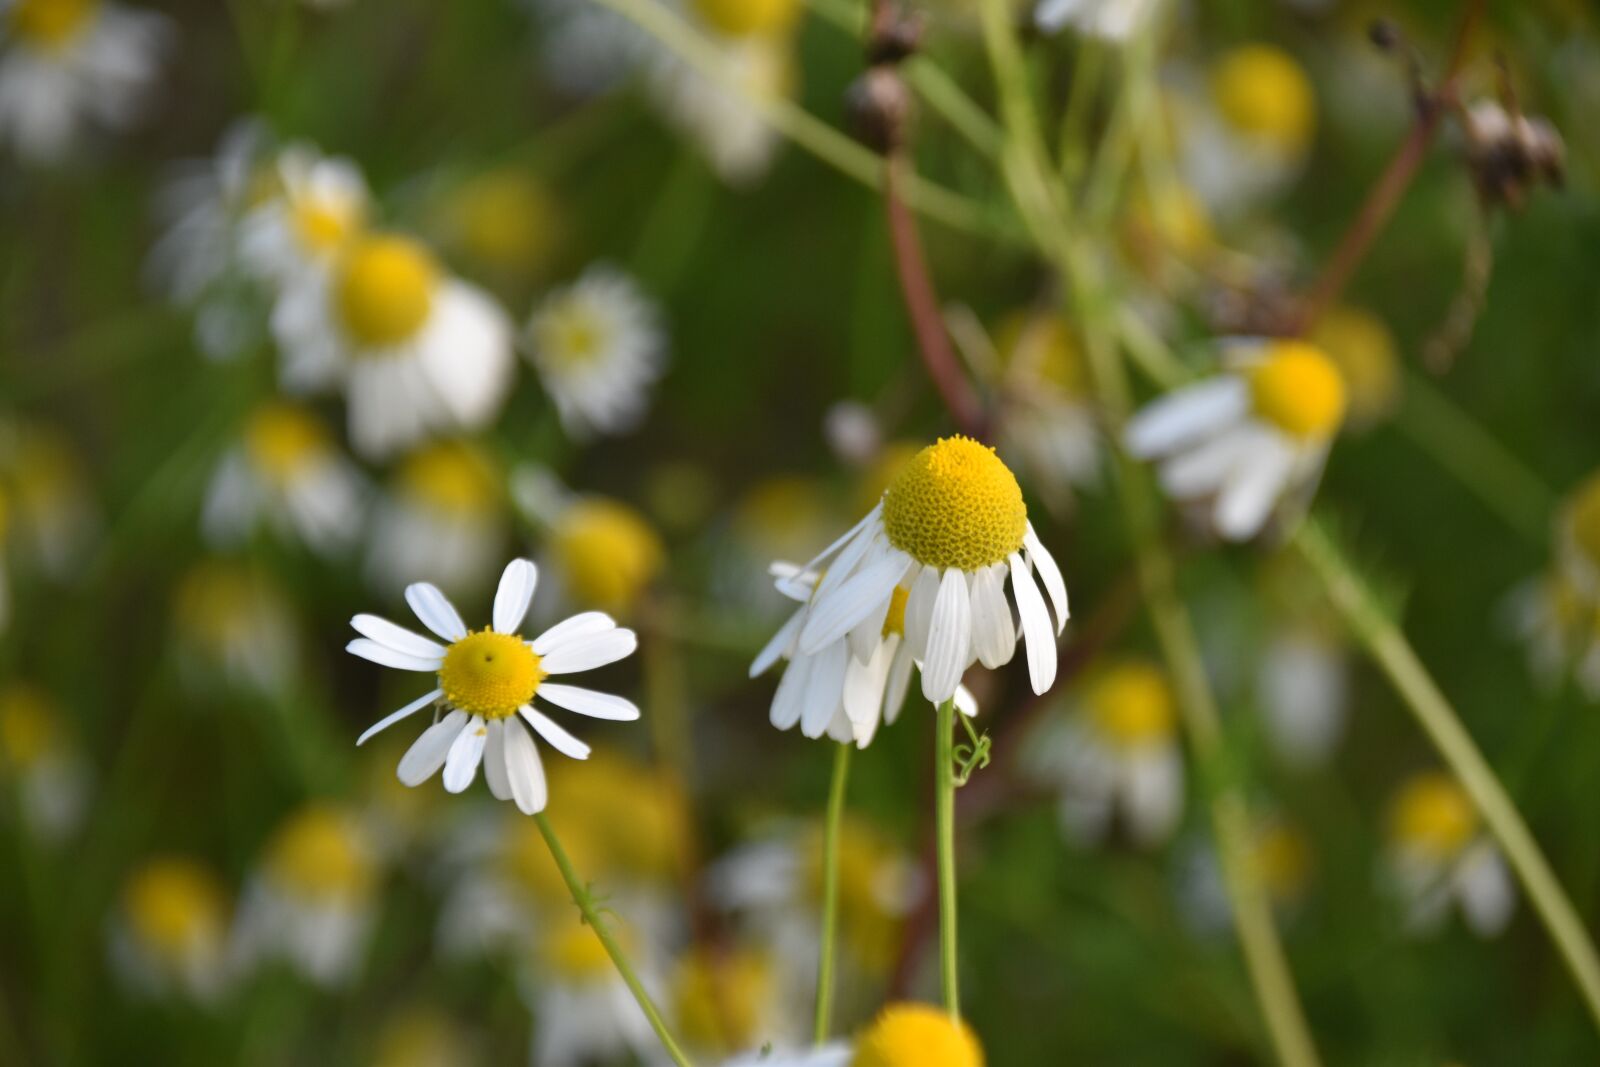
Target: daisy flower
314 898
233 624
69 64
317 204
505 221
443 519
583 1010
1048 422
51 518
1438 858
597 345
1108 20
413 349
169 935
1282 860
727 124
288 474
487 682
903 1035
1303 688
1362 347
732 997
604 552
419 1035
1243 440
950 528
585 49
41 759
1561 628
1116 755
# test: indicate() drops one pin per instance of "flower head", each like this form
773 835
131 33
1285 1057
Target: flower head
1438 858
917 1035
171 929
1262 92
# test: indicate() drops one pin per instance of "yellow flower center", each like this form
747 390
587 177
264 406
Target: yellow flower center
576 953
320 225
1434 815
174 904
490 674
895 621
746 18
281 438
869 869
1363 349
607 552
1262 92
1043 346
1131 704
505 218
1298 389
955 505
721 998
1584 516
633 818
384 290
1176 217
51 23
916 1035
218 602
28 727
318 853
420 1037
452 477
1283 861
571 333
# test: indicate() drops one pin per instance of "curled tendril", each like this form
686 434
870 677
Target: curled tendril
973 757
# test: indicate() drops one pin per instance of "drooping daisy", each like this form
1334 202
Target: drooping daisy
42 761
315 205
234 625
583 1010
1245 439
50 518
1116 756
604 553
597 345
950 528
1048 423
1363 348
66 65
414 350
286 473
487 682
1438 858
169 935
442 518
314 898
1108 20
903 1035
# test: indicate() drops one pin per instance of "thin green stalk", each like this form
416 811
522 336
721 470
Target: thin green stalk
1086 68
945 827
619 958
1393 654
830 891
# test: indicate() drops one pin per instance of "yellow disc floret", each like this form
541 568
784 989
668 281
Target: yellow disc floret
955 505
282 438
894 621
384 290
51 23
745 18
174 906
722 997
1131 704
916 1035
1042 348
452 477
607 552
1263 93
1282 860
1433 815
1583 518
576 953
490 674
505 218
320 854
28 726
1298 389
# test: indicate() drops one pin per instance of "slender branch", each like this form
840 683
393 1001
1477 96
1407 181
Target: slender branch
945 819
830 892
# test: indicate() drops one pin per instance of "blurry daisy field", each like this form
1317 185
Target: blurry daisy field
799 533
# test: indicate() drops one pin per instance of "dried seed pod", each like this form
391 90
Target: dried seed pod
879 106
1509 153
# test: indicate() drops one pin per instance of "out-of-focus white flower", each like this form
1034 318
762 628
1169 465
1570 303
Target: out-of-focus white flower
288 474
604 553
852 431
39 755
1438 859
1048 422
442 518
70 64
598 345
1361 346
47 511
420 1036
504 220
1109 20
234 625
1281 857
733 997
1302 686
583 1010
314 205
1116 754
313 900
586 48
1244 439
723 120
903 1035
413 349
1558 613
169 936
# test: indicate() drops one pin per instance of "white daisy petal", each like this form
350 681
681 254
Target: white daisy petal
584 624
435 611
398 638
1186 415
562 741
1049 574
1247 501
590 703
821 557
523 769
894 691
427 754
1201 469
587 653
966 703
461 765
368 649
494 761
782 644
919 610
834 615
1036 631
514 594
949 638
824 689
393 717
788 702
994 636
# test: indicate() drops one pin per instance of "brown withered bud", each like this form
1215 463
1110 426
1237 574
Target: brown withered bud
879 107
1510 153
895 35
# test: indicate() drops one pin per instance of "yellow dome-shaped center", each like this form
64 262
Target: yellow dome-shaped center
451 477
722 998
1584 518
319 854
916 1035
51 23
955 505
321 225
1132 706
607 552
1283 861
1263 93
282 439
573 332
576 953
1298 389
28 726
218 602
173 905
505 218
384 290
1434 814
1363 349
1043 347
745 18
490 674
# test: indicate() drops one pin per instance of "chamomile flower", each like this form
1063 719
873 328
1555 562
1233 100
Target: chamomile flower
1303 688
1116 756
604 553
1243 440
49 516
585 48
1561 628
1048 422
504 220
443 518
234 625
420 1036
40 758
1362 347
317 204
1578 539
66 65
414 350
903 1035
1281 857
1108 20
727 123
487 682
950 528
1438 858
169 934
286 473
583 1010
732 997
598 345
314 899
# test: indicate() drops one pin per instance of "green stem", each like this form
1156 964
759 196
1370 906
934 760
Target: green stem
945 819
1393 654
619 958
830 891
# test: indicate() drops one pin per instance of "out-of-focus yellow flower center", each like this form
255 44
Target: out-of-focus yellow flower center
916 1035
1043 347
420 1038
51 23
1131 704
322 225
955 505
634 819
895 621
319 854
174 905
576 953
490 674
1584 517
870 868
1262 92
1283 861
1298 389
282 438
607 552
1434 815
722 998
218 602
1177 217
384 290
452 477
745 18
572 333
504 218
1363 349
28 726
